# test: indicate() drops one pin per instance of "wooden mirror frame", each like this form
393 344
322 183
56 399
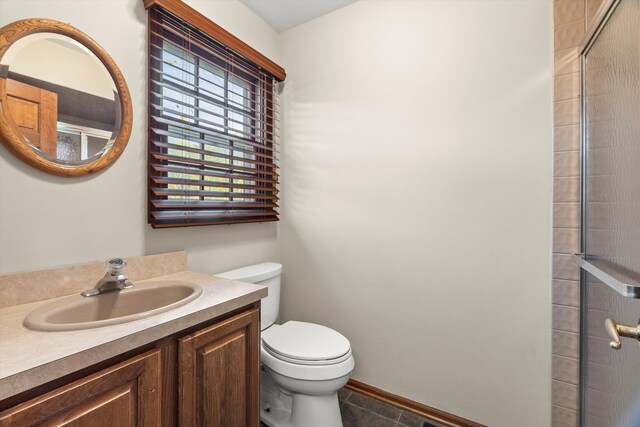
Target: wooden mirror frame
16 142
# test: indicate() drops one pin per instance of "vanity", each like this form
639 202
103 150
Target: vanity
194 364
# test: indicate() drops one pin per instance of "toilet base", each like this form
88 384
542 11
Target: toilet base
276 407
316 411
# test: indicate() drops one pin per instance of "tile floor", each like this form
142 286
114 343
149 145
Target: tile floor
362 411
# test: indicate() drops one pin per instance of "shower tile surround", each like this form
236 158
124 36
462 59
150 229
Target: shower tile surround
571 19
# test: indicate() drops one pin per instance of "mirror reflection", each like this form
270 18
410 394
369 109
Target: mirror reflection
61 97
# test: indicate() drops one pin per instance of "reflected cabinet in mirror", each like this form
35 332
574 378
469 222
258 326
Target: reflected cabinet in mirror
64 104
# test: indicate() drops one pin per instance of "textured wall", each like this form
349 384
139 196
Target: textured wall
417 182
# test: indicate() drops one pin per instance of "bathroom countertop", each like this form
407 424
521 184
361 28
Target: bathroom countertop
32 358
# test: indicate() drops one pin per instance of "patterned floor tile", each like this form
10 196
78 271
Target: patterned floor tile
353 416
408 419
375 406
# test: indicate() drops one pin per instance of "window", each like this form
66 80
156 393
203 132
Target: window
81 144
213 123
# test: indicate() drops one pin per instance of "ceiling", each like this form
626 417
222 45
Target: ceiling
285 14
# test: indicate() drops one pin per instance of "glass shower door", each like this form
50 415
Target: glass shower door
610 279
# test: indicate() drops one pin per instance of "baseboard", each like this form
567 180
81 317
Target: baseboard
425 411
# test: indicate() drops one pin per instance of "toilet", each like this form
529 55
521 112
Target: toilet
303 365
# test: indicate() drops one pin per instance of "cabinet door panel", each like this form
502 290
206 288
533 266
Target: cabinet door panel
224 363
127 394
219 373
114 408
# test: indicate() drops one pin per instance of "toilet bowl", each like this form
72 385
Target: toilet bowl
303 365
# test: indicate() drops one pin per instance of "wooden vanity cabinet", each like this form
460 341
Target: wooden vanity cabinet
205 376
219 380
127 394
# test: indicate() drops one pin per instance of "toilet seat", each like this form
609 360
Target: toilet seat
306 343
306 351
308 362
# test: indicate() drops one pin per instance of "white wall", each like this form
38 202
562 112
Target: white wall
417 183
48 221
86 74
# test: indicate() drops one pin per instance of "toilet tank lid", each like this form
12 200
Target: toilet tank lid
253 273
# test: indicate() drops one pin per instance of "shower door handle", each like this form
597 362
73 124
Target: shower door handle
617 330
588 264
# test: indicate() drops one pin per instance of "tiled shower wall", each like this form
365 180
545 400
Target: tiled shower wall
571 18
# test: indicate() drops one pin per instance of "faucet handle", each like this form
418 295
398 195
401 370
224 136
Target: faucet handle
115 265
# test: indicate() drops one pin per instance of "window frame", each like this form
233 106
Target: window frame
252 123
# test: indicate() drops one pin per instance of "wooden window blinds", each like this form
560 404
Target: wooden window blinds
213 124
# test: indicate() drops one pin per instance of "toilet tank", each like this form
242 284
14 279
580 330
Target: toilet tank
265 274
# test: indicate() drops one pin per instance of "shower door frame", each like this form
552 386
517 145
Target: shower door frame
600 20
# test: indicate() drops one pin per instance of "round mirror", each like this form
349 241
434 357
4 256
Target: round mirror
64 104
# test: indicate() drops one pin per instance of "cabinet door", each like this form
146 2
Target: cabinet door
127 394
219 373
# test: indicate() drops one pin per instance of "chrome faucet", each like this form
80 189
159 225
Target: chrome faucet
113 280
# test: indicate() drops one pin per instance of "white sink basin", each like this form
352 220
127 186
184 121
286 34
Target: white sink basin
77 312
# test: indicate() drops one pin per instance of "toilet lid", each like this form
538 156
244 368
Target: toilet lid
301 341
